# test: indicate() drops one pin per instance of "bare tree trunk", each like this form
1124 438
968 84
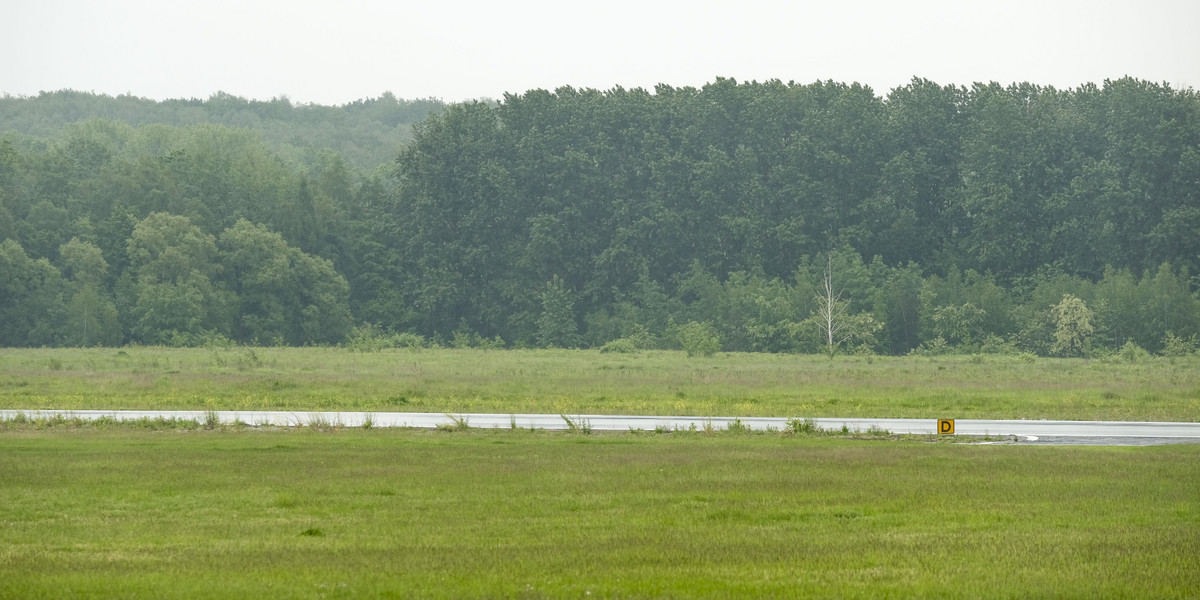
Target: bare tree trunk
830 309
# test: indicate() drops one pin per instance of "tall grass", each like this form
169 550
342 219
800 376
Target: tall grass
460 381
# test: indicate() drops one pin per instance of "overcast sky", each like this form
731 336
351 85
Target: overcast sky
338 52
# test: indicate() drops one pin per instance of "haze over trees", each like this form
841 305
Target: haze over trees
737 216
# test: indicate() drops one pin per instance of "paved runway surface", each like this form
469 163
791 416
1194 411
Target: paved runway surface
1045 432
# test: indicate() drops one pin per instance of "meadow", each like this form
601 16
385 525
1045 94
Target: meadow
170 509
591 382
240 513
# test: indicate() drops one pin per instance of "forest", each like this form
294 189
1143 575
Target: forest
738 216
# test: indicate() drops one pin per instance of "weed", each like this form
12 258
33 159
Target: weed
455 424
105 421
247 359
319 422
802 426
368 421
162 423
313 532
211 419
737 426
877 431
49 421
579 425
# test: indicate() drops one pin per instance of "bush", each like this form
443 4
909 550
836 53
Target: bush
935 347
462 338
1132 353
366 338
408 340
372 338
621 346
698 339
995 344
638 339
1175 346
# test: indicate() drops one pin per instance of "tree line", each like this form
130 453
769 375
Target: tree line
365 133
770 216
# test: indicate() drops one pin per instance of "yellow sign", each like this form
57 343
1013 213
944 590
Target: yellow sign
946 426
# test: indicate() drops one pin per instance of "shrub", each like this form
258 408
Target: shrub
638 339
372 338
1174 345
994 344
1132 353
620 345
408 340
935 347
698 339
366 338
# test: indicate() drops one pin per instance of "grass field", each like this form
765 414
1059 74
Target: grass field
125 513
578 382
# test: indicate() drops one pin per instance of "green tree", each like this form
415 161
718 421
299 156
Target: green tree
698 338
257 267
324 300
898 302
958 324
31 298
556 325
1073 326
45 229
83 262
174 263
283 295
1167 306
92 317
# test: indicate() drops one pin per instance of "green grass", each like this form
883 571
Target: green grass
589 382
125 512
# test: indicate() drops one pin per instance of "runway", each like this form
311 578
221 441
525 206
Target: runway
1027 431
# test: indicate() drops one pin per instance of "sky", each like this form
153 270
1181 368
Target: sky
328 52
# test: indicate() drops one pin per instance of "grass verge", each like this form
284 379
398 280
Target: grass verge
573 382
398 513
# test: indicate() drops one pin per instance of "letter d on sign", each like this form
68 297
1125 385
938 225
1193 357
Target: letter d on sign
946 426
